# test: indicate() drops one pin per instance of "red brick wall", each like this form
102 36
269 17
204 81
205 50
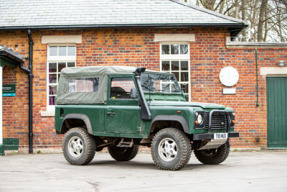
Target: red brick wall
9 77
208 57
15 109
135 47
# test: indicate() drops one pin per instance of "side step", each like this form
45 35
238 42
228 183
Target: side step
126 142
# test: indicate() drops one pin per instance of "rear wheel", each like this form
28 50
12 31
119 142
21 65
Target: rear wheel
123 153
79 147
171 149
213 156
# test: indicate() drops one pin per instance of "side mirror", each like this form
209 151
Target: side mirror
134 93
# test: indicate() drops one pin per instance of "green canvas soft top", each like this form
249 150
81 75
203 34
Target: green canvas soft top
96 71
100 72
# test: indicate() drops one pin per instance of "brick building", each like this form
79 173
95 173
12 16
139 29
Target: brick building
191 42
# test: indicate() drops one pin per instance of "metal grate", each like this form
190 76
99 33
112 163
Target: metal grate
219 120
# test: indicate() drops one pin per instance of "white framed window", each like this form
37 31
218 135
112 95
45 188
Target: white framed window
58 58
175 58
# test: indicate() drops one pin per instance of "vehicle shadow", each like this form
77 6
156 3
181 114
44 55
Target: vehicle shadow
134 164
124 164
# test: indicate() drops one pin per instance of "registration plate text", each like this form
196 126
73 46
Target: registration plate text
220 135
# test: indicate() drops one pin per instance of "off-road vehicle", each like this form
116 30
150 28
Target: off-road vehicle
122 108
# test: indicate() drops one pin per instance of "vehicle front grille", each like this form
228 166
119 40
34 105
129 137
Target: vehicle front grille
219 120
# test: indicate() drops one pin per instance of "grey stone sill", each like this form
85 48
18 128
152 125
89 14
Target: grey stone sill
50 113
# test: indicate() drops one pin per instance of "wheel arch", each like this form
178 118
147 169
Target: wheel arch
168 120
78 119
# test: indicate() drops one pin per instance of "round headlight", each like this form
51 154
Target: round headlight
199 119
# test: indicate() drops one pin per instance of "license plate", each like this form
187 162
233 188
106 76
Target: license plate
220 135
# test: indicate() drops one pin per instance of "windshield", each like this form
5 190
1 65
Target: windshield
159 83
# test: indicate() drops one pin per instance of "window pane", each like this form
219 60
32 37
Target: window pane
166 87
71 64
165 49
53 90
175 65
186 97
71 51
184 65
174 49
72 88
121 88
53 51
61 66
52 100
53 78
165 65
184 76
84 85
184 88
183 49
176 75
62 51
52 67
159 83
173 88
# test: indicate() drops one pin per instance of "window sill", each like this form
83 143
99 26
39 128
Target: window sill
50 113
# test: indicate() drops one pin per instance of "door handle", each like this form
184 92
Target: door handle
111 113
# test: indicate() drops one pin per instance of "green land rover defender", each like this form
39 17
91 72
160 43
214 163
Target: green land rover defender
124 107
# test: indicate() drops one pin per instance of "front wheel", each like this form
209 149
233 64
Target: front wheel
213 156
171 149
123 153
79 147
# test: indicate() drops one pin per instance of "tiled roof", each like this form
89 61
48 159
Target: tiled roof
24 14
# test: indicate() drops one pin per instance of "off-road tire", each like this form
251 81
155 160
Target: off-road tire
82 140
213 156
174 141
123 153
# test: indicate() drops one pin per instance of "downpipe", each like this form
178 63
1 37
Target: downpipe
30 75
256 63
257 86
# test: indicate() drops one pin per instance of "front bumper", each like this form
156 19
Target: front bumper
209 135
203 136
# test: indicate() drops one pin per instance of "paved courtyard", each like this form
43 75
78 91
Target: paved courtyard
242 171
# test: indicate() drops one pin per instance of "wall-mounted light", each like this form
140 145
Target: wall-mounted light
281 63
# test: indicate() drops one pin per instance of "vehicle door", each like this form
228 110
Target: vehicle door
122 110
